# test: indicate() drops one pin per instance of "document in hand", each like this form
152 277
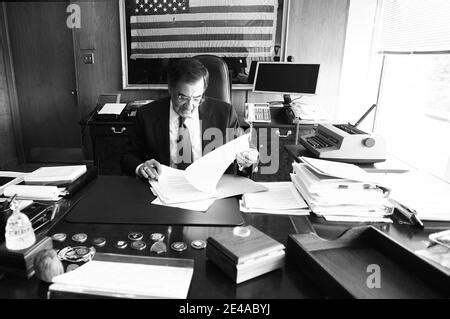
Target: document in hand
55 174
205 179
127 276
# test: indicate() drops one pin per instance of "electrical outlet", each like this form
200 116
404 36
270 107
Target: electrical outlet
88 58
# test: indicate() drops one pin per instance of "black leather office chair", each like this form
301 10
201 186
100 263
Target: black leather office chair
219 86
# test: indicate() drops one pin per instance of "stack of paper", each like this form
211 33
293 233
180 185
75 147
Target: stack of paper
341 192
123 276
203 181
281 198
55 174
34 192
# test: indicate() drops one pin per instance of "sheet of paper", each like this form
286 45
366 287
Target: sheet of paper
112 108
297 212
172 187
56 173
129 279
199 205
357 219
205 172
279 196
34 192
337 169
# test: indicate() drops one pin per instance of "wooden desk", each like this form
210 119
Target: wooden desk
208 280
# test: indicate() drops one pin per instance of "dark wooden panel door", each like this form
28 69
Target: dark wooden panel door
43 59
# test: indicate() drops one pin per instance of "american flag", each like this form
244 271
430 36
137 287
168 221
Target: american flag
184 28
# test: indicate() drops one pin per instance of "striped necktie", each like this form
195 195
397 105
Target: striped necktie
184 145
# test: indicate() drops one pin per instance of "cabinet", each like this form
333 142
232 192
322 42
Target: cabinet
274 162
109 139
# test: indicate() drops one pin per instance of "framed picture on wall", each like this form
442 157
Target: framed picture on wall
154 33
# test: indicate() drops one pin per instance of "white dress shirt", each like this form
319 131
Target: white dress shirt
193 125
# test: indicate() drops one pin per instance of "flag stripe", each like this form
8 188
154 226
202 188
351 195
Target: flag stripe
201 50
192 44
203 23
200 3
172 55
226 9
201 30
199 37
202 17
232 28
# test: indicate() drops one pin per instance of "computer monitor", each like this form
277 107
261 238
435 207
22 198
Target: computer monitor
287 78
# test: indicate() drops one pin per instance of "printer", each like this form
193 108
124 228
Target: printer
345 143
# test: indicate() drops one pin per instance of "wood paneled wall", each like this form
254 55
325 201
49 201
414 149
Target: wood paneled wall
317 29
317 34
8 152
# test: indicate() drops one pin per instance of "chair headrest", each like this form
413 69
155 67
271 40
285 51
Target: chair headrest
219 86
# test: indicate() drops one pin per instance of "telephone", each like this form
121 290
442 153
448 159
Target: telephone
257 112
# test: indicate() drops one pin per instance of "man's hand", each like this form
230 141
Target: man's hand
247 158
150 169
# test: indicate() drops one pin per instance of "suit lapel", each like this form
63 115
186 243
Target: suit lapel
206 121
162 133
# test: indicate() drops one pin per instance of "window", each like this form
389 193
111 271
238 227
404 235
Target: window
414 97
397 55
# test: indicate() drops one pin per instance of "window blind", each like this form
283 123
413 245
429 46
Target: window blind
415 26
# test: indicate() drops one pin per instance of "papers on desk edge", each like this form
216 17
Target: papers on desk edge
204 179
127 276
341 192
282 198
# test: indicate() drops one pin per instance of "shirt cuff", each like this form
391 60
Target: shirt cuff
137 169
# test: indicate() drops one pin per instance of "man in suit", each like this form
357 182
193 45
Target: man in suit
173 131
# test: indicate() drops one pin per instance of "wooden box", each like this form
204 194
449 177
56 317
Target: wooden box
20 262
243 258
366 263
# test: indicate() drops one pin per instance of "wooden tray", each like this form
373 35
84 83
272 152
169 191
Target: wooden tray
342 268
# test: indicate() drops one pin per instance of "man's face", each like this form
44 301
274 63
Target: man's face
186 97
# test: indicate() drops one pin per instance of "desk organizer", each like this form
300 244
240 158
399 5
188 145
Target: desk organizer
348 267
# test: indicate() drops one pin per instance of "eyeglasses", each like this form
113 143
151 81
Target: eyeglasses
186 99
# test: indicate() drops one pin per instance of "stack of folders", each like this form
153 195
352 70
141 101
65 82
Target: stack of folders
341 192
281 198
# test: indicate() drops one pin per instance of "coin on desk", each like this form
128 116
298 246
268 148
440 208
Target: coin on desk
178 246
159 247
121 244
99 241
198 244
157 237
135 236
138 245
59 237
80 237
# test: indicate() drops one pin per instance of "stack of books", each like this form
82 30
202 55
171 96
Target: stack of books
341 192
54 175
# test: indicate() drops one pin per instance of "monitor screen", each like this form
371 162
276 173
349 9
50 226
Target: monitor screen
289 78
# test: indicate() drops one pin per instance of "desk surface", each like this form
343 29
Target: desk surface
208 280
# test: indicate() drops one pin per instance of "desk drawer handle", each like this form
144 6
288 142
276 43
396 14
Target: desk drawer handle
123 129
277 132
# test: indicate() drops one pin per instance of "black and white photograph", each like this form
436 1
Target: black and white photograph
229 158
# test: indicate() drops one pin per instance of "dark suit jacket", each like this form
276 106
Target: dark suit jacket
151 137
